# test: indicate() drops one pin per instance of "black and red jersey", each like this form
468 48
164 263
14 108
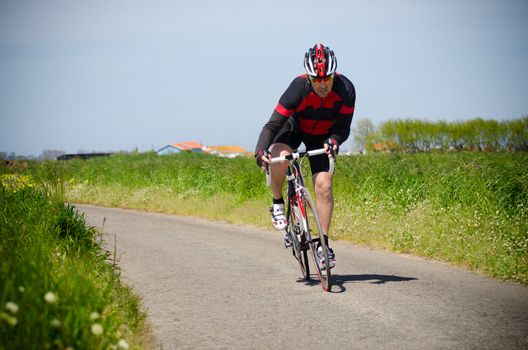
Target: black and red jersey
315 116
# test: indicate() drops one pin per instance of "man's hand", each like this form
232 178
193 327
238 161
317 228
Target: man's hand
263 159
331 147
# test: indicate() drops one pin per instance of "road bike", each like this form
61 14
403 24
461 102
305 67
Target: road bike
303 225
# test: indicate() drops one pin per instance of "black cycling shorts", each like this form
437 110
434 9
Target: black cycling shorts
294 139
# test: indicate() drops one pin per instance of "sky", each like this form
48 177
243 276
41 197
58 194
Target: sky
121 75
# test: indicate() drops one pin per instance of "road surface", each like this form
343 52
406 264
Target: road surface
210 285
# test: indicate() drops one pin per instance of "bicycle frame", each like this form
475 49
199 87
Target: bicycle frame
299 200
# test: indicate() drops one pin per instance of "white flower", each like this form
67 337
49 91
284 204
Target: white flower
11 307
122 344
11 320
50 298
97 329
94 316
55 323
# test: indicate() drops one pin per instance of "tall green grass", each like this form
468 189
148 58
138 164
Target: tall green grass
58 287
470 209
466 208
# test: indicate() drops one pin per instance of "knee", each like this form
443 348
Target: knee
323 189
279 168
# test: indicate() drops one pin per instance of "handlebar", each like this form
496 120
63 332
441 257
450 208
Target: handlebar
297 155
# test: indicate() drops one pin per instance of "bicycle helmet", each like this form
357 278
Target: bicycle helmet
320 61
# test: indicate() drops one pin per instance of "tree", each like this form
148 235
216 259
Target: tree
361 131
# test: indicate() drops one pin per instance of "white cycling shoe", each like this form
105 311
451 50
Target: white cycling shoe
280 223
277 216
331 258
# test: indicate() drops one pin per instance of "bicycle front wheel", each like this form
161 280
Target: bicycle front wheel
299 250
316 239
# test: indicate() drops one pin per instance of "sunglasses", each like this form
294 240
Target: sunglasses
318 80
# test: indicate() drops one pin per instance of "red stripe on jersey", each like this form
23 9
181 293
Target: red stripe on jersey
315 127
332 98
312 100
283 110
346 110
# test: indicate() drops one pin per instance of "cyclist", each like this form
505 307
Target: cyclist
316 109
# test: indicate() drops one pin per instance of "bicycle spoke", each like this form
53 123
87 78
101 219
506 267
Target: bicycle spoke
297 251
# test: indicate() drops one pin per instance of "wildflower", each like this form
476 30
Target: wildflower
11 307
11 320
50 298
94 316
55 323
21 289
97 329
122 344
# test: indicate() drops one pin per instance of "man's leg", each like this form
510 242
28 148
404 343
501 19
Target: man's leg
323 185
278 170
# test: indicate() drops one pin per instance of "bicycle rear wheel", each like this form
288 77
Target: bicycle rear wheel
299 250
315 239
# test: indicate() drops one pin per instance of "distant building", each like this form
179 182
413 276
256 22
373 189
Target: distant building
228 151
190 146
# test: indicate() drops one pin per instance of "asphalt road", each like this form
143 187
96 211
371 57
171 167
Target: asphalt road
211 285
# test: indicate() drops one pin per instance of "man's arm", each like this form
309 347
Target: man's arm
341 129
270 129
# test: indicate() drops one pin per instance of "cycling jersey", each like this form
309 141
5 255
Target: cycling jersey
316 118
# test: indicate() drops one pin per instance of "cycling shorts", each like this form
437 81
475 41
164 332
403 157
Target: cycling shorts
294 139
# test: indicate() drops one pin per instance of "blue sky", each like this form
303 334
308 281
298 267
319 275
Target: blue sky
115 75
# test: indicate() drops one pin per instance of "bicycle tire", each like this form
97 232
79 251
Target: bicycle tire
300 254
312 228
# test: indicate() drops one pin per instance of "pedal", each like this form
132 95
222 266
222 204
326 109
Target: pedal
287 239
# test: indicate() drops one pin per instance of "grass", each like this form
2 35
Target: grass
469 209
58 286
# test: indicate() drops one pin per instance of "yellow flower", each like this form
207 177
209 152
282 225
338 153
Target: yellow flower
15 182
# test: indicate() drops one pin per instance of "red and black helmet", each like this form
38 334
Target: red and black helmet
320 61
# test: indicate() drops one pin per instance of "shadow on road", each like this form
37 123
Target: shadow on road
339 281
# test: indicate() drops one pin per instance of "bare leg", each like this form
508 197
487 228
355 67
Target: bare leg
323 184
278 170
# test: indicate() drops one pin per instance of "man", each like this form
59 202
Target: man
316 109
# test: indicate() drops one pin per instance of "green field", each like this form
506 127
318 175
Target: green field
469 209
